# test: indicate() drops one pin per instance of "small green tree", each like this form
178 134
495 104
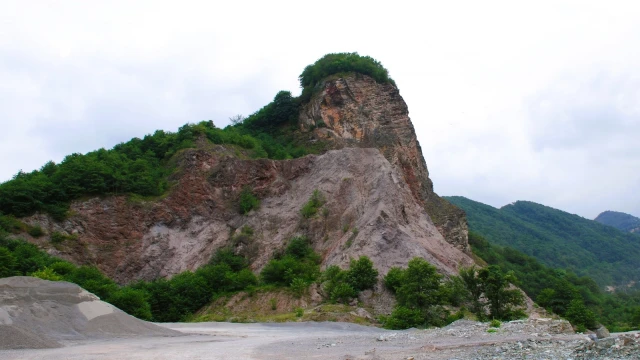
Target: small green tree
132 301
7 263
361 274
581 317
421 287
474 288
496 288
247 201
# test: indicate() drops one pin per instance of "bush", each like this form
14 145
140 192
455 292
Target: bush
403 318
299 261
361 274
394 278
228 257
8 263
132 301
247 201
46 274
495 323
298 286
421 285
316 201
580 316
58 237
92 280
343 293
35 231
62 268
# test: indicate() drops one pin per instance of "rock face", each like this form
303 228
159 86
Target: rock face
369 210
355 111
36 313
379 199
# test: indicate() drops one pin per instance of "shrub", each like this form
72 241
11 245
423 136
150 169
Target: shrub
394 278
247 201
58 237
132 301
8 263
46 274
228 257
62 268
298 286
361 274
35 231
92 280
299 312
421 285
495 323
580 316
299 261
316 201
403 318
343 293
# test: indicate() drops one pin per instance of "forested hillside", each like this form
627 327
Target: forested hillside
558 239
579 299
619 220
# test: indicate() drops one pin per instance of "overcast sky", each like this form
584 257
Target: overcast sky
511 100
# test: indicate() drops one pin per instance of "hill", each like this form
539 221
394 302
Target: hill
304 184
558 239
620 221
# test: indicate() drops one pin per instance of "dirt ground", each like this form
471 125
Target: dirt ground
528 339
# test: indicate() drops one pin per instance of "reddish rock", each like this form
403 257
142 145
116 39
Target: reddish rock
355 111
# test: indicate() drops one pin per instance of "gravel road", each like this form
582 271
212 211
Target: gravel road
529 339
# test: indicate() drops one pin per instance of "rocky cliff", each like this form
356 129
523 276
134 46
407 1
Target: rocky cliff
356 111
369 210
379 200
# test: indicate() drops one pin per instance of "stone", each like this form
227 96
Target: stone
602 332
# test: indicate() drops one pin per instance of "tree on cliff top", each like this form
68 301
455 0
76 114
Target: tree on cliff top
339 63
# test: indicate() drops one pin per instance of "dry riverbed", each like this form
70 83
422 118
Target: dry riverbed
525 339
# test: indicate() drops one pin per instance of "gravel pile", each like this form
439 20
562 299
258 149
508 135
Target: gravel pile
37 314
624 346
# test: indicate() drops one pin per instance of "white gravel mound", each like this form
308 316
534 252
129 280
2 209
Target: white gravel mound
36 314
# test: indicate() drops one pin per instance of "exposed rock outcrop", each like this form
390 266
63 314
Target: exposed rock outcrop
356 111
369 210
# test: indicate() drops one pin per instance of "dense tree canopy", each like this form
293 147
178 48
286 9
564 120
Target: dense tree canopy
341 63
558 239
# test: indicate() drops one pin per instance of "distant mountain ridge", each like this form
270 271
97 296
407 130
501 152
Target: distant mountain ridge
558 239
619 220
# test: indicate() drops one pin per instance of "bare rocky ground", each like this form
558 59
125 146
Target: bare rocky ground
524 339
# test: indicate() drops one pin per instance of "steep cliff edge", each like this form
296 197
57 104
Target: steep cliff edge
356 111
370 210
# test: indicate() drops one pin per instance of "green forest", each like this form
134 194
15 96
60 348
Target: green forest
558 239
577 298
621 221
